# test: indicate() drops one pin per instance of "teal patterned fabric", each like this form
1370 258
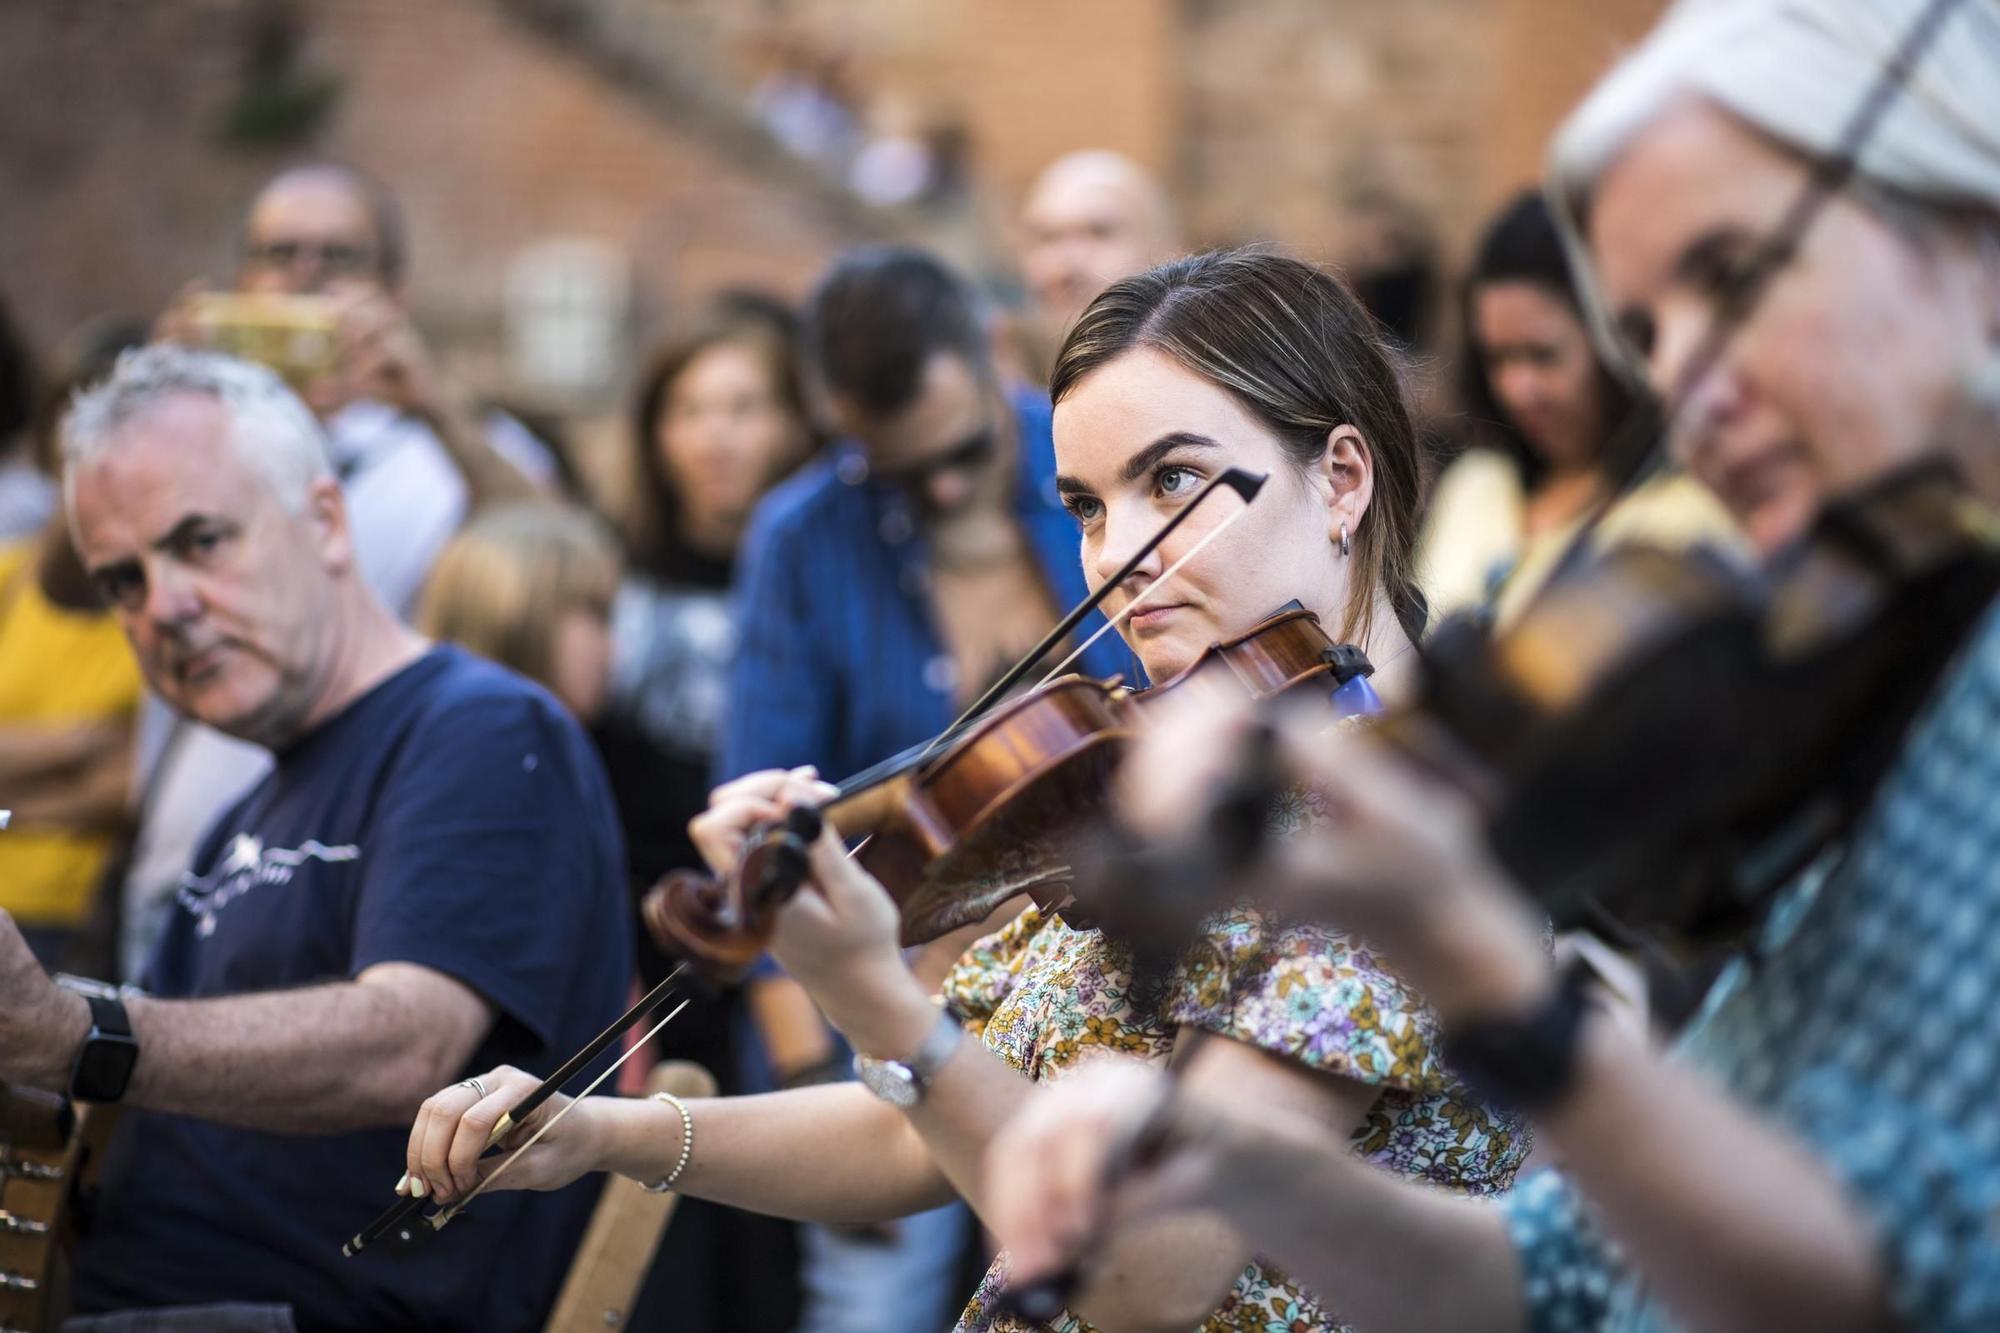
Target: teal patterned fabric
1869 1025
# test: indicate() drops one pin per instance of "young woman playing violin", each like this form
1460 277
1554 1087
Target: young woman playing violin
1224 360
1831 1160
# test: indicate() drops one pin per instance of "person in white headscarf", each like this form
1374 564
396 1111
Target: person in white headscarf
1822 1149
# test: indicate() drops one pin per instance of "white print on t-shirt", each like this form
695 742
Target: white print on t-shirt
247 864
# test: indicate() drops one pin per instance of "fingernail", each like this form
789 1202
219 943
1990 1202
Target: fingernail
403 1185
417 1186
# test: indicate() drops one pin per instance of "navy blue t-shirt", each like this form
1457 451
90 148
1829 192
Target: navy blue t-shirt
455 817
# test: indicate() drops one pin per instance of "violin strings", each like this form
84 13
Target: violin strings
1133 605
1244 483
556 1119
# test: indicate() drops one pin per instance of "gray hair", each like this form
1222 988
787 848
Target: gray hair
272 430
1796 70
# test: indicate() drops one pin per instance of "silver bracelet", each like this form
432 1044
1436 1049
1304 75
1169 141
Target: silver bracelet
666 1182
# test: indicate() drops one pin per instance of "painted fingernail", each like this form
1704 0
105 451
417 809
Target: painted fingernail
403 1185
417 1186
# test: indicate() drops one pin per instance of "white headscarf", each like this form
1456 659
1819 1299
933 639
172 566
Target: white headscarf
1797 70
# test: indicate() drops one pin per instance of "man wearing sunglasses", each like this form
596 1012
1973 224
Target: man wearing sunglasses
880 590
883 587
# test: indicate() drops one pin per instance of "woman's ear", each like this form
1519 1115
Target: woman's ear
1348 470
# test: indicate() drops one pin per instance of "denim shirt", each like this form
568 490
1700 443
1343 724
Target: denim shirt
839 661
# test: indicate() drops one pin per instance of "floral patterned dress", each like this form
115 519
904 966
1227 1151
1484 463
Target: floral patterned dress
1045 996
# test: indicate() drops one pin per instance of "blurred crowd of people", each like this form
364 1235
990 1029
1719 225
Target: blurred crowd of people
847 521
468 527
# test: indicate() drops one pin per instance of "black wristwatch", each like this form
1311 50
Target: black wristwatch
1524 1063
103 1066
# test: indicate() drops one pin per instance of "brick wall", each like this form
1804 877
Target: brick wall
1299 116
493 137
1284 120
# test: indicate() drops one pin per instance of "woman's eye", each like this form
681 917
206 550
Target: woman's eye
1083 508
1175 480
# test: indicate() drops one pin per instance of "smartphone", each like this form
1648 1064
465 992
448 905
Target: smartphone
293 335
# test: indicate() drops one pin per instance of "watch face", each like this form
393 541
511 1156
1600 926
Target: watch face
890 1081
103 1068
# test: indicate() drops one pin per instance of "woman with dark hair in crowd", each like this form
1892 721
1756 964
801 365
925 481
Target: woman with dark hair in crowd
1541 407
719 418
1170 377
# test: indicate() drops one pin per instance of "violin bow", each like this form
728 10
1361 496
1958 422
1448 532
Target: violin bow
398 1217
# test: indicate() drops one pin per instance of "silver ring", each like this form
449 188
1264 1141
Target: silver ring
475 1085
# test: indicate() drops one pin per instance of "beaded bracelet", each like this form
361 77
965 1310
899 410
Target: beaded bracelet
666 1182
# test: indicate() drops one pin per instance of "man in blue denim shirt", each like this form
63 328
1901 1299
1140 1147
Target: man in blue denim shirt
885 584
880 589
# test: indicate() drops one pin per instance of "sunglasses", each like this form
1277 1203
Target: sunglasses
971 454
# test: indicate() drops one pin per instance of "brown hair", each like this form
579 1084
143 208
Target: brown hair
1294 346
660 514
499 586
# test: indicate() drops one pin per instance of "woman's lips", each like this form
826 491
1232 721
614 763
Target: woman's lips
1150 615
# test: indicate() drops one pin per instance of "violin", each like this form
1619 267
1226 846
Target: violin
990 815
950 838
1667 740
1660 742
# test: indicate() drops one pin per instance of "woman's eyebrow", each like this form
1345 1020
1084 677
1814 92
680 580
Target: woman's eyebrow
1139 464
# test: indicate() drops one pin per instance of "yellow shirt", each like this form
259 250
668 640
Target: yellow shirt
57 666
1474 551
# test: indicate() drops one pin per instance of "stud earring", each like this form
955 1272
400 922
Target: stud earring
1346 546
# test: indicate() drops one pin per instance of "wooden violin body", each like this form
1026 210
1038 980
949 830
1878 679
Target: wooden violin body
950 840
989 816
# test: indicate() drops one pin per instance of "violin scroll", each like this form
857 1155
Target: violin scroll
723 925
